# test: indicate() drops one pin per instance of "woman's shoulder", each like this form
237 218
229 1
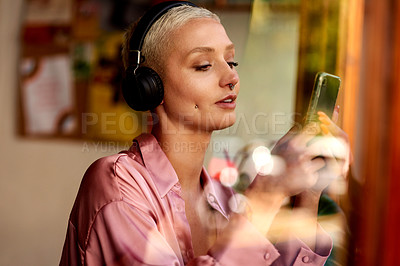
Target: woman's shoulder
103 178
118 177
124 176
109 181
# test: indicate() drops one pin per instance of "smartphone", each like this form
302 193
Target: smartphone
323 97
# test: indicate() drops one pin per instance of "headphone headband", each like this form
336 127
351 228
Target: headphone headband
145 23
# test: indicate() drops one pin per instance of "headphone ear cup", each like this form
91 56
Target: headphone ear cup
142 90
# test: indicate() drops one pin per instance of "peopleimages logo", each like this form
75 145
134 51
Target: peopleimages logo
128 123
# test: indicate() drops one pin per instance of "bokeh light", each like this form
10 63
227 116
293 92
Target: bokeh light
229 176
262 160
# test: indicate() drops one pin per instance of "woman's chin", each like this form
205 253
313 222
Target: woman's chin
227 121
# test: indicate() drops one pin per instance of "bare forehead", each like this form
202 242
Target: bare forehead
195 23
200 35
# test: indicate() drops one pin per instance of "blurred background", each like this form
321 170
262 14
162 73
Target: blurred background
62 109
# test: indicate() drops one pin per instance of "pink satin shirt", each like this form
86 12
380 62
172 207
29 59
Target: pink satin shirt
129 211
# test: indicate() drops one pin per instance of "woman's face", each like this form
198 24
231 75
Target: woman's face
198 72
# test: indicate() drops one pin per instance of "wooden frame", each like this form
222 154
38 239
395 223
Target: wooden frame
392 221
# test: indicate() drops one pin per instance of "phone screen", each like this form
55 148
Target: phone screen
323 98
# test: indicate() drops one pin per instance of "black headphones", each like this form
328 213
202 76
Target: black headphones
142 86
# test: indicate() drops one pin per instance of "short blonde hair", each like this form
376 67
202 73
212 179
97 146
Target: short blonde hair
156 44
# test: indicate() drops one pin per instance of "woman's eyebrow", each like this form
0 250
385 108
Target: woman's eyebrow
206 49
201 50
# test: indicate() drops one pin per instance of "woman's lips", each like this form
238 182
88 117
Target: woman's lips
228 102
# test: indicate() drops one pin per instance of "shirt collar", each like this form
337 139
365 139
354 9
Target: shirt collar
165 177
217 195
157 163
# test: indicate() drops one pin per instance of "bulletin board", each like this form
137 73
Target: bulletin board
70 69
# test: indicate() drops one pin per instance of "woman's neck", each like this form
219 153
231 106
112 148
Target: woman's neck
186 152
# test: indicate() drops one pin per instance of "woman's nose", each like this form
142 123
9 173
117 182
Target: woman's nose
229 77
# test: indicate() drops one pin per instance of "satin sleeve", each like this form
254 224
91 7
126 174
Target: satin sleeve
242 244
124 235
296 252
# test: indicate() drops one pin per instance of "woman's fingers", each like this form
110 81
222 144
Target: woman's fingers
317 163
309 132
335 116
329 127
328 146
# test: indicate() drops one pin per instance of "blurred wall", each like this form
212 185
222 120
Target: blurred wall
39 178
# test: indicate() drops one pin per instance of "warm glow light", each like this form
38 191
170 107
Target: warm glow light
261 155
263 160
229 176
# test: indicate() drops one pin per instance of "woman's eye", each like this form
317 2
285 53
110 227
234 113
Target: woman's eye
233 64
203 67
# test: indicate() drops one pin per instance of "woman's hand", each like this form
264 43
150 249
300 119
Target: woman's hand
299 172
314 156
301 163
333 145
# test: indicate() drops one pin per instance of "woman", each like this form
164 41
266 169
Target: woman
155 204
